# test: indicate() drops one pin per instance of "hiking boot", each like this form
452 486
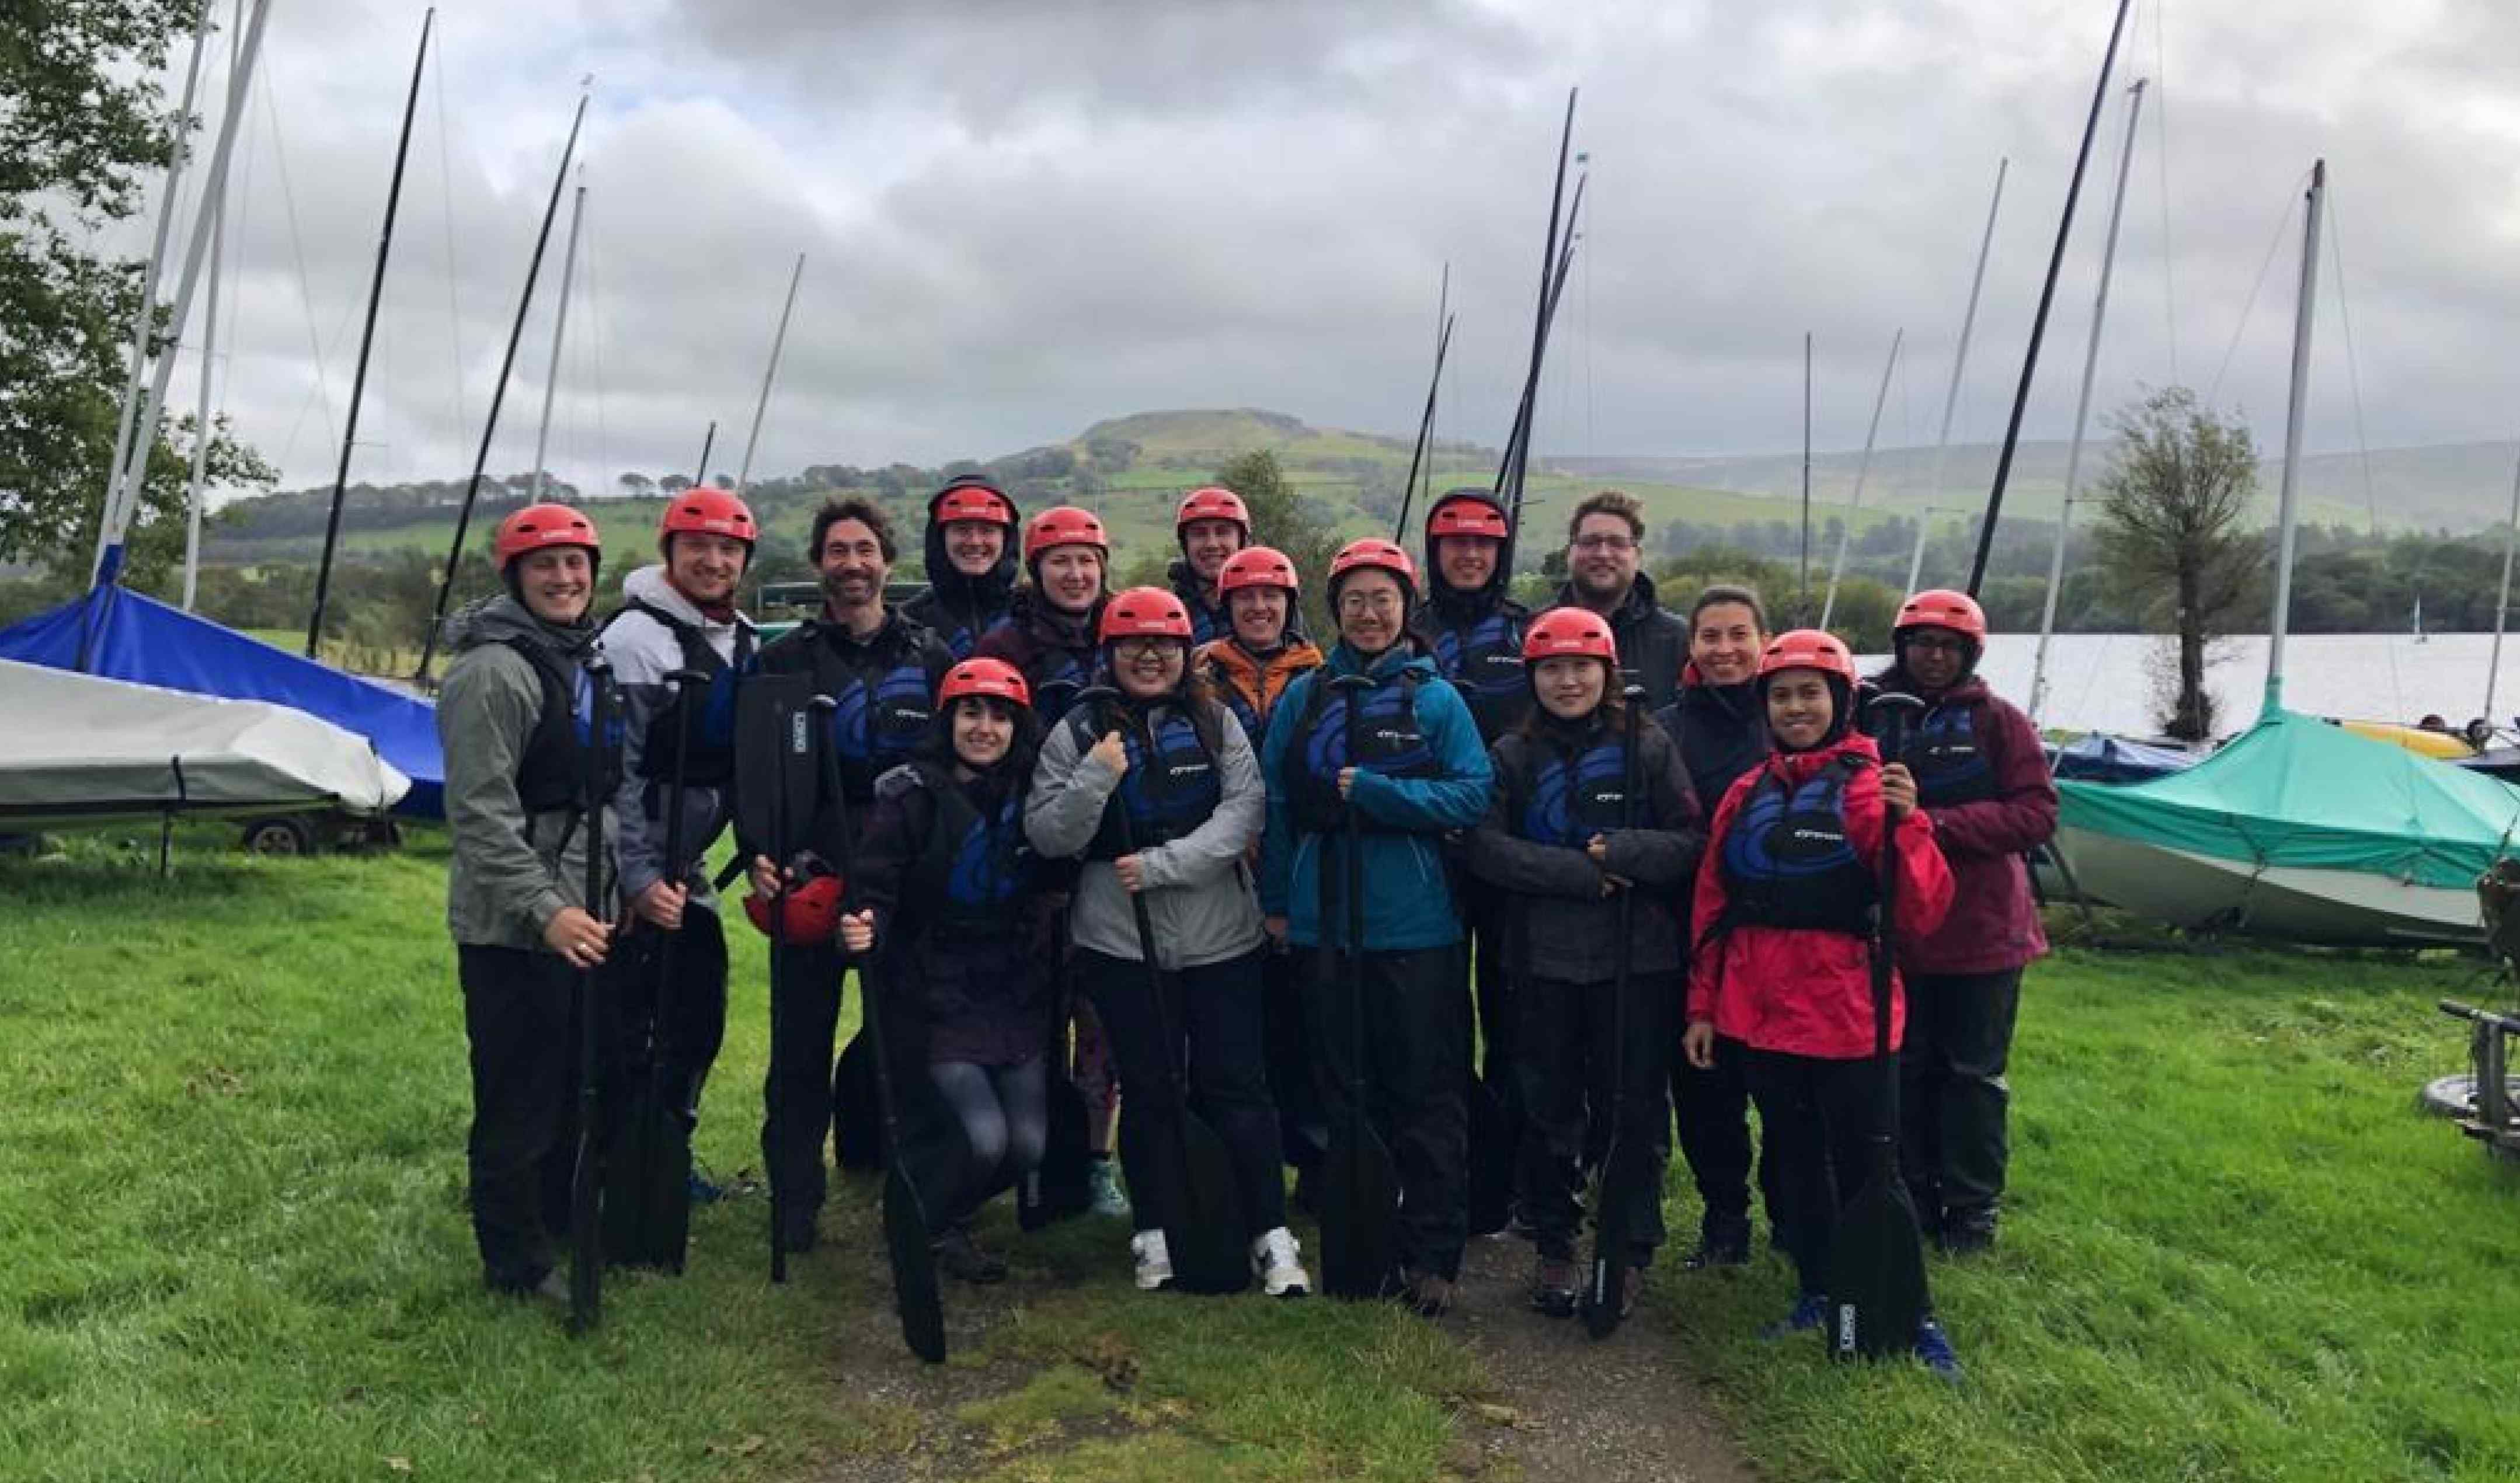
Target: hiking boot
1553 1284
798 1235
1154 1263
1723 1241
1965 1233
1934 1350
959 1257
1431 1296
1102 1178
1277 1261
1811 1311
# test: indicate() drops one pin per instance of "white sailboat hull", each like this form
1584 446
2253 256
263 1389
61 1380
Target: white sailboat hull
2285 903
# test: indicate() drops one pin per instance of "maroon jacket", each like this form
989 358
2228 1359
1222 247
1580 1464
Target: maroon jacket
1984 781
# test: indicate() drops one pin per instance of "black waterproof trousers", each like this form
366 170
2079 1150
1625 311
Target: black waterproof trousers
1415 1076
1953 1096
1713 1109
796 1092
1820 1117
1573 1067
520 1018
1215 1015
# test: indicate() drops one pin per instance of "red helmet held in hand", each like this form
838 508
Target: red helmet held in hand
537 526
1570 632
812 917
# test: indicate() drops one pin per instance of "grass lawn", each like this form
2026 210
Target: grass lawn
232 1245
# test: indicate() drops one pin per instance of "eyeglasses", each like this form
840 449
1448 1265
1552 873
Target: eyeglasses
1140 647
1358 603
1604 543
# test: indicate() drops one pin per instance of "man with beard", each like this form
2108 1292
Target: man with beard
1604 551
882 670
971 561
1210 525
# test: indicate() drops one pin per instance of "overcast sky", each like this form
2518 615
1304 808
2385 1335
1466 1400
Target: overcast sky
1021 217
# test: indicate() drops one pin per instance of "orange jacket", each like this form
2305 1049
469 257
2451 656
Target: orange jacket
1249 687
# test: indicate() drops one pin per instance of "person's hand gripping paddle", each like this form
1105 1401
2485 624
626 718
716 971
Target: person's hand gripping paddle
1623 1181
906 1231
598 760
1361 1191
1876 1269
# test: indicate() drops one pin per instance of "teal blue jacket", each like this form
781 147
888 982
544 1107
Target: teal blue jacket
1408 896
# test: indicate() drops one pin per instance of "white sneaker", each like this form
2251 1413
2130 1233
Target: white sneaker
1154 1263
1277 1261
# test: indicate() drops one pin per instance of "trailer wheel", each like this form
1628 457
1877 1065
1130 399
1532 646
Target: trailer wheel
2456 1095
281 835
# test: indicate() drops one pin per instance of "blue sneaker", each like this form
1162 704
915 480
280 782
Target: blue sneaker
1103 1177
1934 1351
1811 1309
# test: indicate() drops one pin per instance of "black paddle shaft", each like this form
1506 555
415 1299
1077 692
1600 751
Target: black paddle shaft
660 1009
594 776
1607 1290
1361 1201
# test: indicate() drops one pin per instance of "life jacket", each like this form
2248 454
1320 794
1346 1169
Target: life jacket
1057 675
1483 658
1566 800
551 774
975 869
1172 786
710 762
1948 759
1788 861
1247 715
1393 744
880 716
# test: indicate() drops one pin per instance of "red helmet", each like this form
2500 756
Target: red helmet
1942 607
1357 555
984 677
1065 525
970 496
812 917
1256 567
539 526
1212 502
703 511
1467 512
1570 632
1807 648
1144 612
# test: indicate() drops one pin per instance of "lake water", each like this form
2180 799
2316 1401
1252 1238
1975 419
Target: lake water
2102 682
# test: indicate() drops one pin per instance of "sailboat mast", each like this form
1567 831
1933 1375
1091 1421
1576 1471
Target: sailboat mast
2501 598
2295 405
1855 502
1960 358
559 330
708 441
367 342
1802 581
769 376
201 413
2083 408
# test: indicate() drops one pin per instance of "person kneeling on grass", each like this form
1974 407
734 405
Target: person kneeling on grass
946 883
1787 913
1154 784
1560 843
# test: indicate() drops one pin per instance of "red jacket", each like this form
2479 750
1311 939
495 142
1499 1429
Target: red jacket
1800 991
1994 925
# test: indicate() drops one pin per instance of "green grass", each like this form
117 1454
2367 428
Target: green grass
232 1247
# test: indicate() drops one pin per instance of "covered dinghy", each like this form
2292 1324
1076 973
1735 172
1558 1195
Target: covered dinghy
2296 830
75 749
2103 758
123 635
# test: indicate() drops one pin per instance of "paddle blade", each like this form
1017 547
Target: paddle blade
857 1110
1359 1211
914 1270
1062 1186
646 1185
1493 1136
1606 1279
1876 1270
1205 1238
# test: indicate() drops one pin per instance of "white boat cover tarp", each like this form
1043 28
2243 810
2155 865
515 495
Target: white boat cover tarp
77 750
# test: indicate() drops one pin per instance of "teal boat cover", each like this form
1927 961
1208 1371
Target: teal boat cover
2293 791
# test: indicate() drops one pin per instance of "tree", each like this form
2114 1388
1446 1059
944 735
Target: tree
1278 519
635 485
2171 510
86 125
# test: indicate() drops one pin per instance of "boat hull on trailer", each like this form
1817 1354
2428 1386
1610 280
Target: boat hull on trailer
2285 903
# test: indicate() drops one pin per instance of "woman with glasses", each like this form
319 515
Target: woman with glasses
1416 772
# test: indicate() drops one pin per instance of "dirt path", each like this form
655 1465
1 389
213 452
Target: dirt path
1576 1411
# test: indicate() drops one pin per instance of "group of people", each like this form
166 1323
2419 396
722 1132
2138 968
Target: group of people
1622 870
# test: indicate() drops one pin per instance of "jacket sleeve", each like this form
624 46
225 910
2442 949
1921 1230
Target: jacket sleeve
1455 799
1069 788
1706 907
640 688
1663 854
2023 815
1495 854
1925 885
1278 835
1208 852
486 713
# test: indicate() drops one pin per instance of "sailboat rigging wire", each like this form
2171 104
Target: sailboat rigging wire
263 86
2274 245
2363 444
2161 138
446 204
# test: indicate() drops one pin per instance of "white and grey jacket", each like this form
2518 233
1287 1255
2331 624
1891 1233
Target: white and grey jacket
643 652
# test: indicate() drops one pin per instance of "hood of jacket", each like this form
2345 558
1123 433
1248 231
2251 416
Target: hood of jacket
1456 604
503 619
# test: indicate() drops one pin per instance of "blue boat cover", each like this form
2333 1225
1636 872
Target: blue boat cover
2102 758
129 636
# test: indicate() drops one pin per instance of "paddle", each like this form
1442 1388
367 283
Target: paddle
1061 1187
774 750
1613 1220
585 1185
647 1195
1495 1133
1361 1191
906 1231
1200 1205
1876 1269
